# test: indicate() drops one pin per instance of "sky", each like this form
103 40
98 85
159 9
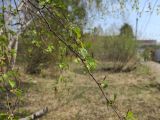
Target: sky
110 17
148 23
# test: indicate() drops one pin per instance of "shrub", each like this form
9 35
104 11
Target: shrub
122 51
37 55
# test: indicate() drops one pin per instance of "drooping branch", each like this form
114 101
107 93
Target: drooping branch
76 54
62 22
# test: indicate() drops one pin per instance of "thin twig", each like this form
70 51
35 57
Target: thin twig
79 56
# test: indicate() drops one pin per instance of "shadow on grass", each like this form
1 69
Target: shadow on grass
24 86
103 69
155 85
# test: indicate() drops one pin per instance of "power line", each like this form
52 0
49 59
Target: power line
146 25
139 16
140 13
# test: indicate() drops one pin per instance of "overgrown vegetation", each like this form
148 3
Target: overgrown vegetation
51 32
120 49
35 53
9 83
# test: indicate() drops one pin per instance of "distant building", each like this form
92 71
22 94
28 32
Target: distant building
147 43
147 48
153 49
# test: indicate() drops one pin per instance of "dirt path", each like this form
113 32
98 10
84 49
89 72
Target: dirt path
155 69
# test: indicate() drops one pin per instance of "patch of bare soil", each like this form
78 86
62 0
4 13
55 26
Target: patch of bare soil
155 69
78 97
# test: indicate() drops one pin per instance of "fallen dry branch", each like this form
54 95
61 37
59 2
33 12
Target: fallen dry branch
36 114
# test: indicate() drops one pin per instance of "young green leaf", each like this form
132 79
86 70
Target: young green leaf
77 31
12 83
104 84
130 116
49 49
83 52
91 63
18 92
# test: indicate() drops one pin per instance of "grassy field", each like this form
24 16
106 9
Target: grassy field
78 98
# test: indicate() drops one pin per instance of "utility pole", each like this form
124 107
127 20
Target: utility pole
136 28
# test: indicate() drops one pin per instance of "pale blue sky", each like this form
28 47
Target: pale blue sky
148 23
110 21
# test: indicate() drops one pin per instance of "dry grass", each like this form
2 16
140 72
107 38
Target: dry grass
79 98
